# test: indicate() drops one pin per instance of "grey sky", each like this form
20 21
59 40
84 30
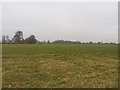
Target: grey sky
88 21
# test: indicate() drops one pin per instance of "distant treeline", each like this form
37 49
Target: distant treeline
18 39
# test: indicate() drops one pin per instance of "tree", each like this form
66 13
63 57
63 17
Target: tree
90 42
18 37
48 42
5 39
31 39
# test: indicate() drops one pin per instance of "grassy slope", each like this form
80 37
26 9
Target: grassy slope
60 65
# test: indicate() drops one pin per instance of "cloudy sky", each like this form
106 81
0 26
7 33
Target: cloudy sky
83 21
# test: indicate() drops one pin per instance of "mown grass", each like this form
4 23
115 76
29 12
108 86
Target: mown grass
60 66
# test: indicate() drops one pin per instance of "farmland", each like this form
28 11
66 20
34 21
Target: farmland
59 66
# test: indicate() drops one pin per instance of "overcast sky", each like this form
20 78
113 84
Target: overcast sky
83 21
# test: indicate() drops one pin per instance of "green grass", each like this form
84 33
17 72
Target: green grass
60 66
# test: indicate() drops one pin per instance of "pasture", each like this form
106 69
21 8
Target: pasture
59 66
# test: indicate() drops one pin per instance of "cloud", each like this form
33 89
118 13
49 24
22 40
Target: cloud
69 21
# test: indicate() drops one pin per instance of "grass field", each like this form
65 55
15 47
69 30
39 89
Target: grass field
60 66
